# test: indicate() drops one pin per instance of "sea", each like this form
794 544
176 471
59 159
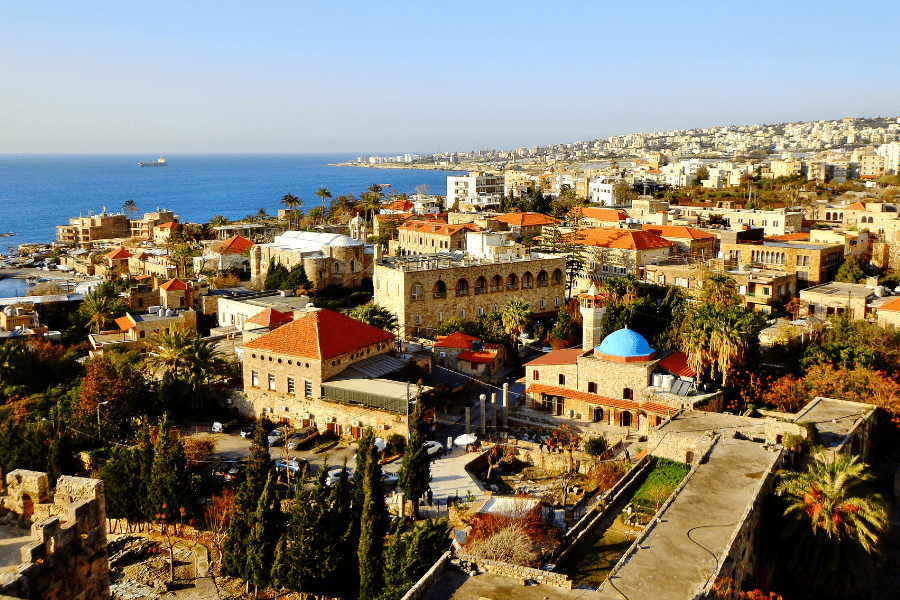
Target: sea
38 192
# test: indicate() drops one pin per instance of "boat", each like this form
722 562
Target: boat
160 162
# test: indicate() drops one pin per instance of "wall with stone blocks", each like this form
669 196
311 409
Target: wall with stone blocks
67 557
684 448
422 585
516 572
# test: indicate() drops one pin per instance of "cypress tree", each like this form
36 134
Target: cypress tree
122 485
168 481
373 522
415 471
261 542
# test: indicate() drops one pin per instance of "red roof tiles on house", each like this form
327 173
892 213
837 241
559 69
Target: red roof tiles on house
322 334
456 340
118 254
552 390
677 363
169 225
622 239
603 214
525 219
658 409
174 285
483 356
558 357
234 245
856 206
271 318
125 323
399 205
437 227
892 305
678 232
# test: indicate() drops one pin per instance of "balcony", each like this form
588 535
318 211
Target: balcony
460 293
480 290
527 286
511 286
542 283
496 288
440 294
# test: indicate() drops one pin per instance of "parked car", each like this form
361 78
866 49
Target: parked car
433 447
236 473
295 465
334 475
302 437
248 431
275 437
221 469
389 479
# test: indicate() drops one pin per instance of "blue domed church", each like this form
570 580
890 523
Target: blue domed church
610 383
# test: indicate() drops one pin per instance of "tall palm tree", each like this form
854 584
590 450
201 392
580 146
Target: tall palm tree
291 202
720 289
376 316
262 215
101 307
323 193
180 256
695 342
515 315
371 200
836 522
184 356
130 207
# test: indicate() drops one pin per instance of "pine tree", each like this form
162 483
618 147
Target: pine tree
261 542
168 481
373 520
415 471
408 557
395 581
123 485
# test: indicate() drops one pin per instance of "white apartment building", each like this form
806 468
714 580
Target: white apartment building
891 154
600 190
773 222
476 189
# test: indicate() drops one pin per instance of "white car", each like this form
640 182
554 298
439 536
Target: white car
275 437
334 475
433 447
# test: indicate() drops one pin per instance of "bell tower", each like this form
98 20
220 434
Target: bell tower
593 305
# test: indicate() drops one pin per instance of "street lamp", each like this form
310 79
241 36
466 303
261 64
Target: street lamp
98 416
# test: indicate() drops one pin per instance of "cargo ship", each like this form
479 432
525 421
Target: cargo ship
161 162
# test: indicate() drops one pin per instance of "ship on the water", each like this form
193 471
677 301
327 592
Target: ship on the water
161 162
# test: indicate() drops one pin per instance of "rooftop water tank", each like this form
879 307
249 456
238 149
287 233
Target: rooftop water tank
161 312
667 382
879 291
169 312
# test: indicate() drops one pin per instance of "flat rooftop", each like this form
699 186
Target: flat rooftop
674 560
701 423
840 290
453 260
487 586
834 419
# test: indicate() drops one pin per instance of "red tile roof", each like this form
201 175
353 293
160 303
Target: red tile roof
802 236
143 277
558 357
677 363
659 409
322 334
118 254
603 214
484 356
678 232
456 340
234 245
856 206
173 285
539 388
271 317
399 205
622 239
169 225
525 219
891 305
125 323
437 227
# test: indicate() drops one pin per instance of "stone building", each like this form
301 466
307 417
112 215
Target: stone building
235 308
888 315
164 231
523 224
813 263
610 252
468 354
329 259
66 558
20 321
232 253
425 290
81 231
686 240
177 294
143 228
429 237
323 369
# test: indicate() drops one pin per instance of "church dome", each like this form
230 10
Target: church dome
625 345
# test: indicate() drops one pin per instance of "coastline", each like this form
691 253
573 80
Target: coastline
402 166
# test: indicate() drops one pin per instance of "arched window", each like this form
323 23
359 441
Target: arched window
527 280
480 285
828 216
462 288
496 284
418 292
557 277
440 289
337 267
542 279
512 282
871 219
353 266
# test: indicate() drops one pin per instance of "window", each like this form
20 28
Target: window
799 260
418 292
535 375
767 291
805 261
271 381
418 319
337 267
562 379
307 388
592 387
496 308
254 378
480 311
543 303
556 302
290 383
440 289
626 393
774 223
462 314
440 317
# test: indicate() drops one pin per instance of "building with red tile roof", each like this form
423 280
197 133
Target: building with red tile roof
118 254
468 354
431 236
271 318
233 245
526 224
602 217
610 252
174 285
686 239
457 339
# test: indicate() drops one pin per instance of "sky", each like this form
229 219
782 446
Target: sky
390 77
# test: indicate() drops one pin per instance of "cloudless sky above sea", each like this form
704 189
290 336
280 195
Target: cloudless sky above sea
375 77
39 192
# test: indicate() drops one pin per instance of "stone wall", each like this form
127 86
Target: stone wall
67 557
421 586
515 571
686 448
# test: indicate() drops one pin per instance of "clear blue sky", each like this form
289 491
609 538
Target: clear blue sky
368 77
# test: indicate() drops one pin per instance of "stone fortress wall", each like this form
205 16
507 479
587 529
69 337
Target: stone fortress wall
67 557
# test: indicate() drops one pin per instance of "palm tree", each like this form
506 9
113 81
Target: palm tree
130 207
102 306
181 255
371 200
695 342
323 193
836 525
218 221
720 289
262 215
515 315
184 356
375 315
291 202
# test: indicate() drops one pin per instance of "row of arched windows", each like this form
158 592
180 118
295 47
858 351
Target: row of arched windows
835 216
775 258
495 284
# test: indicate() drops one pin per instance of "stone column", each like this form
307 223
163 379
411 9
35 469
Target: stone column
468 420
482 400
506 406
494 409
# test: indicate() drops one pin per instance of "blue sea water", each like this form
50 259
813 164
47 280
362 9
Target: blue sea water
38 192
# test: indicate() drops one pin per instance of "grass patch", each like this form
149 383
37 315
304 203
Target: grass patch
664 477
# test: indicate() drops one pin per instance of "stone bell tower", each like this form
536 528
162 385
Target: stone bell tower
593 305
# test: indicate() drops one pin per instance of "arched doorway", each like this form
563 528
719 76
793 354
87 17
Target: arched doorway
626 419
27 506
